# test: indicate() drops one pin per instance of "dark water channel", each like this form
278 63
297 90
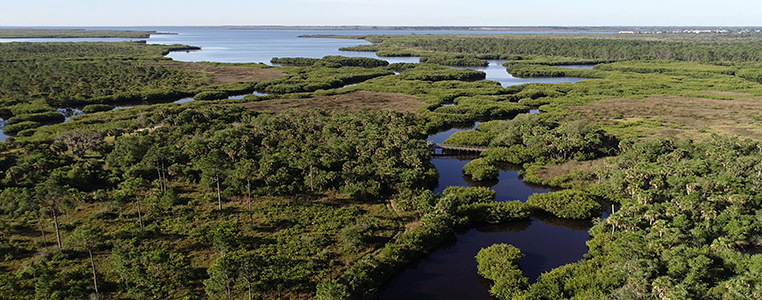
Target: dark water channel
450 273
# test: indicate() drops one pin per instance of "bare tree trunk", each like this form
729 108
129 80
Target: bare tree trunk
58 233
312 186
248 191
248 281
161 182
219 195
140 215
95 278
163 177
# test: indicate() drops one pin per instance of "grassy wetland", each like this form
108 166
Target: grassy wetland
322 188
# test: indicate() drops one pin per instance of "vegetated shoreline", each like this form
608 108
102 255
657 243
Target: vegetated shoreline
688 235
19 33
592 29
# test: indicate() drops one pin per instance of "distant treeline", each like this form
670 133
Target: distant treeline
86 51
36 77
73 33
331 62
596 47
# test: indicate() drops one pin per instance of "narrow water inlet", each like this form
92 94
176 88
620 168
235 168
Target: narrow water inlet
450 272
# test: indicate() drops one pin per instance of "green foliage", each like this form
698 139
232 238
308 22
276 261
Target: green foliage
331 62
363 279
469 195
20 126
530 70
480 169
530 137
13 52
210 95
456 60
294 61
687 227
72 33
571 204
500 263
580 47
342 61
360 48
310 79
93 108
331 290
470 138
354 238
146 270
62 82
166 170
684 221
430 72
490 107
494 212
665 67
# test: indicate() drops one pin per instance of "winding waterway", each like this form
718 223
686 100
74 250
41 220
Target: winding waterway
235 46
449 273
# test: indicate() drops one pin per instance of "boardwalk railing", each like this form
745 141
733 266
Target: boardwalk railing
433 146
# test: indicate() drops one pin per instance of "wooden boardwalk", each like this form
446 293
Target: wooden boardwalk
462 148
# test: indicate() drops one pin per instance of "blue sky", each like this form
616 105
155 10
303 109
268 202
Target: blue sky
380 12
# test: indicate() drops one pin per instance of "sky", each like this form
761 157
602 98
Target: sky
380 12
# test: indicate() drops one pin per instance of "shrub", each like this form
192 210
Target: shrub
210 95
343 61
353 238
495 212
48 116
480 169
571 204
500 263
470 138
92 108
467 195
15 128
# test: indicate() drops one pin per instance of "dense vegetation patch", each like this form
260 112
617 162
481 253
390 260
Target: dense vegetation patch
571 204
16 51
500 263
196 190
581 47
203 200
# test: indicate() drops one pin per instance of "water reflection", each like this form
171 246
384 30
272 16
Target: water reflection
184 100
69 112
3 137
440 137
450 273
509 186
587 67
239 97
496 72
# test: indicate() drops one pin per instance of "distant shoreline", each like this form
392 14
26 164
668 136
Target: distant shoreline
35 33
498 28
421 28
